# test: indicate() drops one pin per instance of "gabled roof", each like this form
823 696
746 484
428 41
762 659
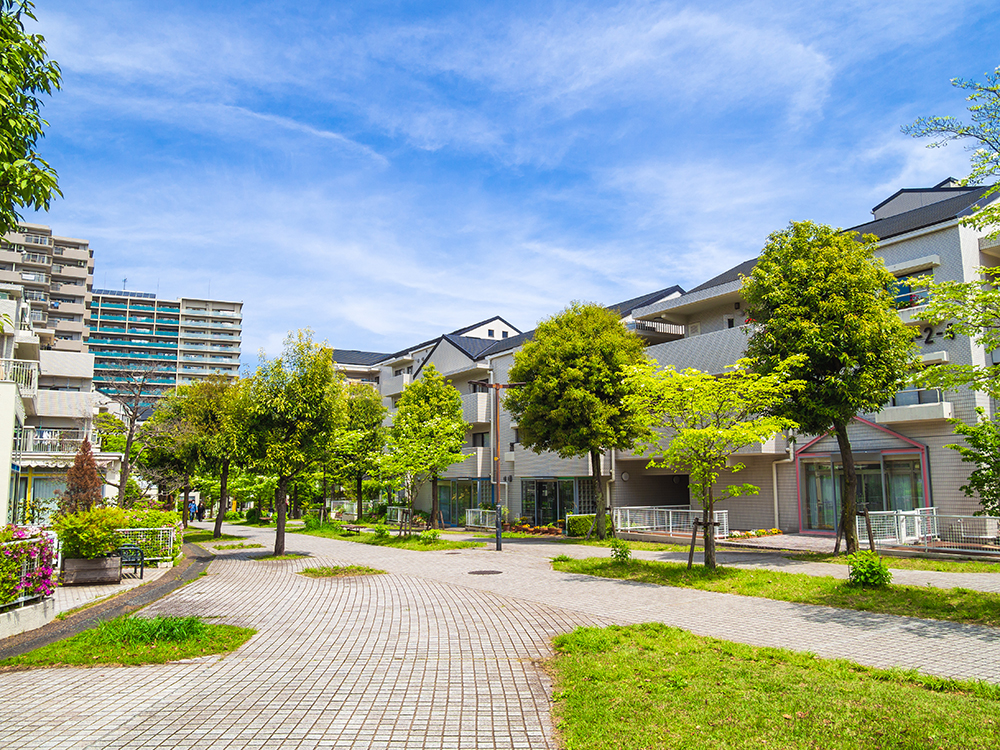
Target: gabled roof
474 326
733 274
963 204
473 347
357 357
625 308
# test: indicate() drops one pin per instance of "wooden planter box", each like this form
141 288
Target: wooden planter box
77 571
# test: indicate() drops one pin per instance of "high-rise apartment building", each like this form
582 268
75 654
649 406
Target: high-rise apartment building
166 342
57 274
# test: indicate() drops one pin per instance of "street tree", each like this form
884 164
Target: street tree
84 484
982 134
26 180
696 422
359 446
982 448
294 407
426 436
820 293
573 400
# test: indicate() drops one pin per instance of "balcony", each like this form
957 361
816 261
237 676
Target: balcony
476 407
655 331
22 372
915 405
477 464
35 259
395 384
39 440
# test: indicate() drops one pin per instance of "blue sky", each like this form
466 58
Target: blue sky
383 172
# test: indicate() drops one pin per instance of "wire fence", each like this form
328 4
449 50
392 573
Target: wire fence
927 530
156 544
26 569
667 519
479 518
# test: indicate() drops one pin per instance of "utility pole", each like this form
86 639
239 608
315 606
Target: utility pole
495 444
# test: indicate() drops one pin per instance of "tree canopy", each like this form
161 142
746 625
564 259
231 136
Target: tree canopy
697 421
427 433
573 401
982 134
26 180
820 293
358 447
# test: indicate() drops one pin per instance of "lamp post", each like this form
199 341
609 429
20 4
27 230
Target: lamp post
495 441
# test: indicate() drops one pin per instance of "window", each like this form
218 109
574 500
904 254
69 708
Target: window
397 373
503 334
730 321
478 388
480 440
489 332
903 293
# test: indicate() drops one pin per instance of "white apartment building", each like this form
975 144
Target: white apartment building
902 461
57 275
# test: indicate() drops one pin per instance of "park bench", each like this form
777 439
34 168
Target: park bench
352 528
132 555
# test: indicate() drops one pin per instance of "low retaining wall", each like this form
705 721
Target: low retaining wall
26 618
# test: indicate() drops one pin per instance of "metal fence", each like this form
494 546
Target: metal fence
29 564
339 508
156 544
397 515
927 530
478 518
667 519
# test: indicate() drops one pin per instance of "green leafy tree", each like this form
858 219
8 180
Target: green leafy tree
983 449
820 293
697 421
293 410
170 446
359 446
982 134
427 434
26 180
574 398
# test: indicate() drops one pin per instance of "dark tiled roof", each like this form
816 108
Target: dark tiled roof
925 216
356 357
626 307
505 345
733 274
474 326
471 346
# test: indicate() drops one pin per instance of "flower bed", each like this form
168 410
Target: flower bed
26 565
529 529
753 534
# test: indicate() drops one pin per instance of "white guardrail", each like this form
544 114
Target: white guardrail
667 519
478 518
927 530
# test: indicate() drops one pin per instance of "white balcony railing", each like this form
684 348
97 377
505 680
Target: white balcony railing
22 372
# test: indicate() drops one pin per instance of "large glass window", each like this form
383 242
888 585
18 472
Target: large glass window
528 499
819 497
905 482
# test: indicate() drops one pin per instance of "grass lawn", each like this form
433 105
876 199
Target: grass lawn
206 536
137 640
956 605
411 542
652 686
340 571
912 563
241 545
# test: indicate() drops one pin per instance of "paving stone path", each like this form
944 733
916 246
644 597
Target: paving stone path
431 655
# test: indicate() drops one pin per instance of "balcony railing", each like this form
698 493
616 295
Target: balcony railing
40 440
915 396
22 372
656 327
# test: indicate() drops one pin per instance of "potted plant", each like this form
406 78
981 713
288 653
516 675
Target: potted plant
88 538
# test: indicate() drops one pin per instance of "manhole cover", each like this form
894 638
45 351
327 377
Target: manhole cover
485 572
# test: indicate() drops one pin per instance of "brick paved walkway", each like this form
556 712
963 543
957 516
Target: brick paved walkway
428 656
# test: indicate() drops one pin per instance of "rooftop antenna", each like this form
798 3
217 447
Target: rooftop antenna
124 280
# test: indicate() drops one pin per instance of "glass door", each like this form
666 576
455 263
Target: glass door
821 506
548 505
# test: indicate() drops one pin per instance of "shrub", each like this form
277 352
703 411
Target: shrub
620 551
90 533
154 518
562 558
868 570
253 515
579 525
381 531
234 515
430 536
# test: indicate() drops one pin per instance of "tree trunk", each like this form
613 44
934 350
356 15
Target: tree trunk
187 495
280 506
600 522
708 517
849 508
435 503
296 508
127 469
359 510
223 499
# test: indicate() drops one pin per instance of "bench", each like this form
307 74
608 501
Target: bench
131 554
353 529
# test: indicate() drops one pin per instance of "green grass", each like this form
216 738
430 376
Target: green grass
241 545
648 546
652 686
288 556
340 571
911 563
955 605
206 536
520 535
137 640
412 542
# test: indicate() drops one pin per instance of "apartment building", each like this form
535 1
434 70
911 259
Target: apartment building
47 407
57 275
900 450
164 343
